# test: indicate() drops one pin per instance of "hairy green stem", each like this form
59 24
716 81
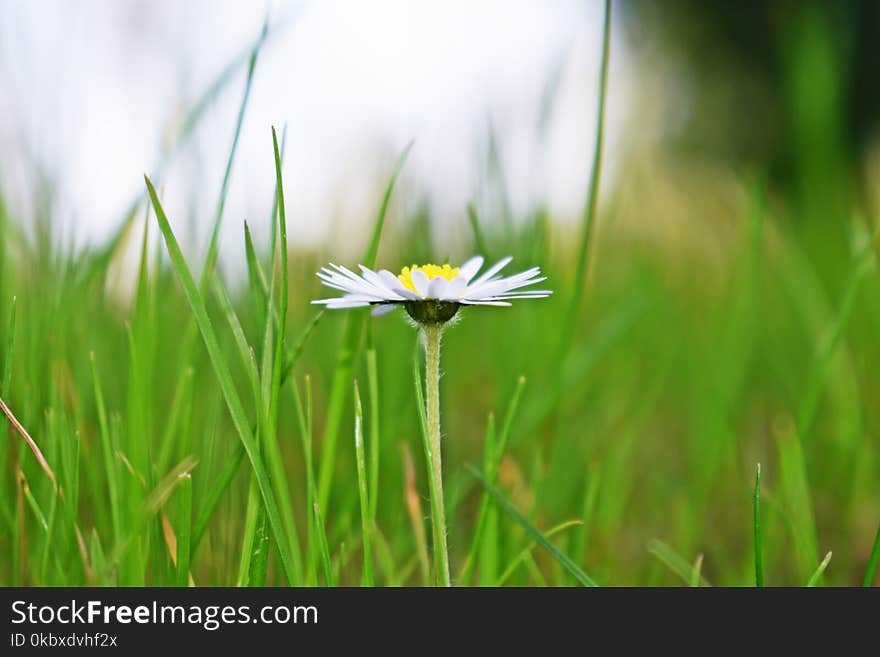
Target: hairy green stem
433 333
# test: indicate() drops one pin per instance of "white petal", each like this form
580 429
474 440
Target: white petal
371 283
469 302
338 287
437 288
391 281
383 308
501 285
537 294
376 281
420 281
344 302
346 273
469 269
339 282
506 297
494 269
360 298
347 280
407 294
455 287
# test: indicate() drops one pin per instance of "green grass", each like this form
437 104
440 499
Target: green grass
207 433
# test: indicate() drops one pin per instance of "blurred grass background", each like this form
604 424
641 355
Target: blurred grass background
729 317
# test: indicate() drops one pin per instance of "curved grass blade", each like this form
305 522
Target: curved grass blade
494 452
151 506
818 378
215 493
44 465
521 557
564 560
817 576
675 562
227 385
211 260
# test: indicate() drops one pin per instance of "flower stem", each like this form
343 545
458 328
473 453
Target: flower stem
433 332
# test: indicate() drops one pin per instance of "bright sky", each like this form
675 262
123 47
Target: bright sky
88 91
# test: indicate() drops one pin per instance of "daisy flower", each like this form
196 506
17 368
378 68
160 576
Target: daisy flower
430 293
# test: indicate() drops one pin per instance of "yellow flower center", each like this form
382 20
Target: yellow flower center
429 270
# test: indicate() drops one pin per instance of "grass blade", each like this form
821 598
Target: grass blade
211 258
298 346
151 506
184 529
325 549
493 453
110 468
696 573
872 561
483 515
570 566
304 423
215 493
526 552
759 545
795 490
221 369
32 503
589 218
284 298
256 278
675 562
817 576
416 517
816 382
373 383
366 522
30 443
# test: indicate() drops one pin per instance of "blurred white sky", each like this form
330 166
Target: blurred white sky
89 90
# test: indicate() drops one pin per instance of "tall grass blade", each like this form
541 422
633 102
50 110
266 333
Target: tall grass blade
366 521
227 385
589 218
